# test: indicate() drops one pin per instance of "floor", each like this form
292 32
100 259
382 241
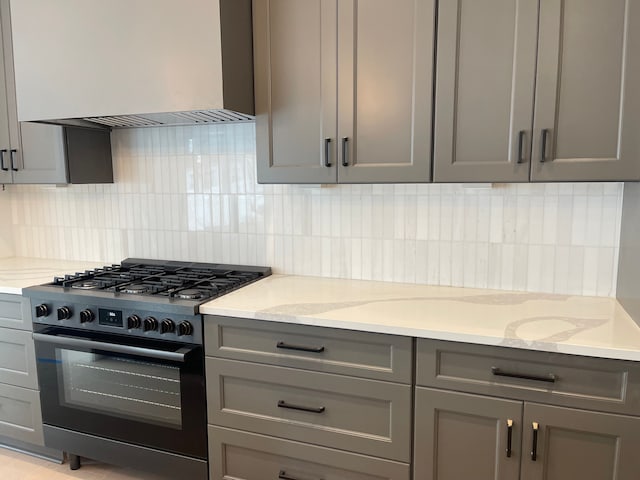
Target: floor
18 466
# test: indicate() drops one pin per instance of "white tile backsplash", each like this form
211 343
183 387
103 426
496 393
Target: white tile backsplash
6 237
189 193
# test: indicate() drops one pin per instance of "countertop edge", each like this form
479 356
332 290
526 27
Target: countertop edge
497 341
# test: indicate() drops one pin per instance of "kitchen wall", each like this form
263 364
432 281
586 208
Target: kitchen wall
6 236
190 193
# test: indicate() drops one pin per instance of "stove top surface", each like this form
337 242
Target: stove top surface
184 281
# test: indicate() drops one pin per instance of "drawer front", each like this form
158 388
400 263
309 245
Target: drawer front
567 380
17 358
364 416
15 312
20 415
249 456
359 354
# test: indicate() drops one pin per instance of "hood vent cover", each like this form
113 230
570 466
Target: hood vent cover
177 118
124 62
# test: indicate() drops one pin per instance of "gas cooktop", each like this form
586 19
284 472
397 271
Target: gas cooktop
195 282
142 284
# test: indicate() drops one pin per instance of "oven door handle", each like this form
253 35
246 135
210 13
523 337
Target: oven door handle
176 356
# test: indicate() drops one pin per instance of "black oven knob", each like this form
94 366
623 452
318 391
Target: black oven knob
167 326
150 323
133 322
42 311
86 316
185 328
64 313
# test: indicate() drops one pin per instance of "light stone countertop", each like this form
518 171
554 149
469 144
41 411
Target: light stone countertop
591 326
17 273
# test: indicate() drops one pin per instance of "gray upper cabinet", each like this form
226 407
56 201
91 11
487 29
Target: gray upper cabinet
10 142
343 90
540 90
295 90
484 90
587 102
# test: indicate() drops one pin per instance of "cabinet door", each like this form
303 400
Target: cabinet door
385 78
5 142
579 444
484 90
17 359
15 312
295 88
43 154
587 100
20 414
460 436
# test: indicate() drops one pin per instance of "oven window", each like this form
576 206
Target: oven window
121 386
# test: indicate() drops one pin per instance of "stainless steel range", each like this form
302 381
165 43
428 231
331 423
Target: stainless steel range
121 365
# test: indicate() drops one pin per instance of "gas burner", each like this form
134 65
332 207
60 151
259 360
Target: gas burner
191 294
86 285
136 289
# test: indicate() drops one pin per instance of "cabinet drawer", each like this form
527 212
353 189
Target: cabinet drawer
17 359
20 415
365 416
15 312
249 456
567 380
360 354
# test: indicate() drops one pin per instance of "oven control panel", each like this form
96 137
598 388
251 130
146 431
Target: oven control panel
126 321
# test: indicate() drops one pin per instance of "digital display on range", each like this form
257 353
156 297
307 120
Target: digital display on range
110 318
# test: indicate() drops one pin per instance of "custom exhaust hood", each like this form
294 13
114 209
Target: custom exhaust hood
133 63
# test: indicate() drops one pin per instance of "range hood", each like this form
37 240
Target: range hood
133 63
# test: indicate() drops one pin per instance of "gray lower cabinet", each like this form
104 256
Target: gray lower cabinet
347 413
20 414
582 57
17 358
14 312
307 403
248 456
461 436
469 436
579 444
343 90
328 350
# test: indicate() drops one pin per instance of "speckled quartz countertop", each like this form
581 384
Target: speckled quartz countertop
17 273
591 326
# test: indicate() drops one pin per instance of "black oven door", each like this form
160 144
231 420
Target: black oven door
143 392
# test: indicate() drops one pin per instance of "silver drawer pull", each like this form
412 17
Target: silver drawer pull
300 348
550 378
291 406
283 476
